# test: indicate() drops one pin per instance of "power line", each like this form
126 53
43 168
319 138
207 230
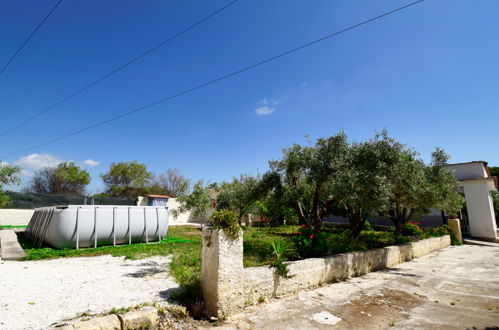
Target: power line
213 81
40 42
30 36
109 74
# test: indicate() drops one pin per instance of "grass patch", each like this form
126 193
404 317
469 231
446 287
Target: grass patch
181 238
11 227
258 242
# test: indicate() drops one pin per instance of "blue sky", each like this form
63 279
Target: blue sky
428 74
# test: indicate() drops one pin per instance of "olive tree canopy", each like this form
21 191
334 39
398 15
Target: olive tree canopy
126 179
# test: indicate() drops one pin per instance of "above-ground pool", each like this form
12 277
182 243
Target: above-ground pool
78 226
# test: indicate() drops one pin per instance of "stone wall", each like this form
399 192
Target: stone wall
260 282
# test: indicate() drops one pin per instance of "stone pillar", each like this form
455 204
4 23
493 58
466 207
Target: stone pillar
480 209
222 273
455 227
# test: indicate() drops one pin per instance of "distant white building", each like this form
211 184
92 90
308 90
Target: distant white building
475 179
153 200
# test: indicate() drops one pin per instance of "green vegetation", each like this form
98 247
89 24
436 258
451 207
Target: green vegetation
182 239
8 175
334 176
280 267
197 200
65 178
262 246
227 221
238 196
258 250
127 179
11 227
495 200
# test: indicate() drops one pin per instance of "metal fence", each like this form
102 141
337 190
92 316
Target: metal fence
32 201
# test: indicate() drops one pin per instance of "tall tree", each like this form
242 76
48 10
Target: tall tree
274 200
309 173
127 179
198 200
8 175
238 196
494 170
66 178
363 187
411 195
443 193
172 183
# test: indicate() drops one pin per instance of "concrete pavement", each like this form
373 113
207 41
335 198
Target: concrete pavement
453 288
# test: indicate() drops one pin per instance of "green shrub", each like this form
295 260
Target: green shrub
280 267
310 242
441 231
227 221
412 228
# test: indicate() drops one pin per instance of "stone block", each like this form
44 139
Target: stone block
10 247
222 272
455 227
140 319
109 322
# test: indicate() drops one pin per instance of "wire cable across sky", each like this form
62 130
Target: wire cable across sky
30 36
213 81
116 70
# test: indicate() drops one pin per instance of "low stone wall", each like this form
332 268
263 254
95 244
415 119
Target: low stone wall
15 217
260 282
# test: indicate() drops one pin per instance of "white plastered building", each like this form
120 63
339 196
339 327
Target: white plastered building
475 179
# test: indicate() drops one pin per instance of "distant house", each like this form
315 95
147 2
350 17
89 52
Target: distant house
153 200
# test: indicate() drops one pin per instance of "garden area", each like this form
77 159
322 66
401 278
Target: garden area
354 180
297 242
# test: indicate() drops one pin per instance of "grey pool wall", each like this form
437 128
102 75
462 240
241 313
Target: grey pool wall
80 226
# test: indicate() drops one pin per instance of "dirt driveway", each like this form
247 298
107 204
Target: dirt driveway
454 288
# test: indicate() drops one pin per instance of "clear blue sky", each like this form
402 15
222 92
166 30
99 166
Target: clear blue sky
429 74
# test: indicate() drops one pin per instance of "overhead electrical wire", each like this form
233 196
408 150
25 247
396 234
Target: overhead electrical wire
30 36
116 70
33 49
211 82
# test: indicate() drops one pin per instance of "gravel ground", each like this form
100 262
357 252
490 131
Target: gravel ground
36 294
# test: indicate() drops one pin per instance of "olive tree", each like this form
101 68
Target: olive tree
443 185
411 194
239 195
127 179
363 186
274 200
309 174
198 200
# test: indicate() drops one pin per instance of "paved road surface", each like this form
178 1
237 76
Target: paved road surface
454 288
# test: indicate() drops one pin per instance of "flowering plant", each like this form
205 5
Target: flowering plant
310 242
411 228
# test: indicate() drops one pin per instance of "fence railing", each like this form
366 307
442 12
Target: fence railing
32 201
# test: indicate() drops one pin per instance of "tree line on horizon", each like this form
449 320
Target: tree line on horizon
333 176
123 179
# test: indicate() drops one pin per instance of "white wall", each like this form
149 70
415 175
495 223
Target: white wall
19 217
186 217
472 170
480 209
15 217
